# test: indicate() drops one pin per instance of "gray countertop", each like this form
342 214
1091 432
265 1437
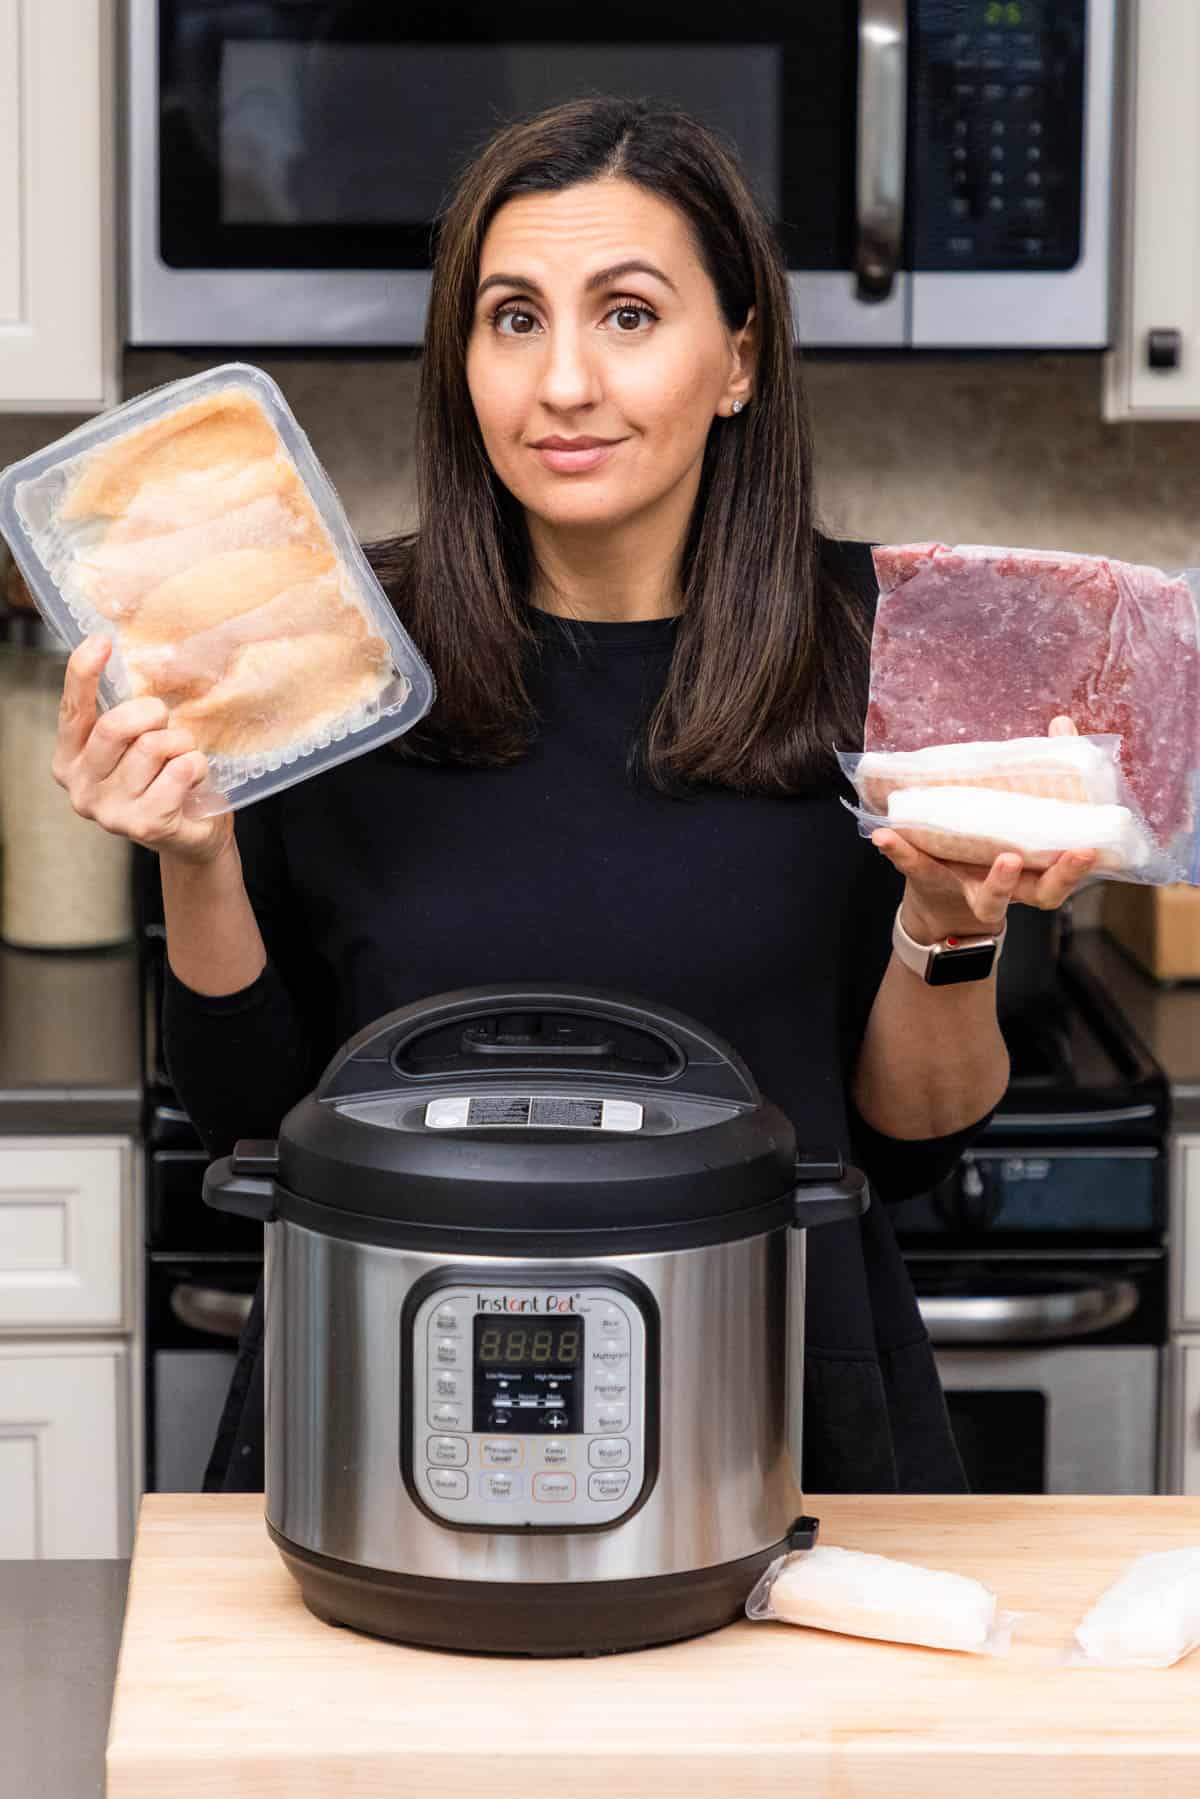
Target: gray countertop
1167 1019
70 1042
60 1631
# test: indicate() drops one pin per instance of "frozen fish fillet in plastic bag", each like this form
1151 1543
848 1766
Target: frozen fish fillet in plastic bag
863 1595
976 824
1148 1618
1081 769
196 529
981 642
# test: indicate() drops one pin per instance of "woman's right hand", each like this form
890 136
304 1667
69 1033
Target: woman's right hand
128 769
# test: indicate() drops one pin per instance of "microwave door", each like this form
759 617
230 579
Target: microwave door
1012 179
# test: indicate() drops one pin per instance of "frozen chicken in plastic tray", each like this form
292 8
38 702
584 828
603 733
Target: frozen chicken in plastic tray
977 645
863 1595
195 527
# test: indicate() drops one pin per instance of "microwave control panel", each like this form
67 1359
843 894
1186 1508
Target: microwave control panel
527 1405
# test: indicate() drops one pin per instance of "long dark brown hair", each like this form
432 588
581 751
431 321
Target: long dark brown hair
771 653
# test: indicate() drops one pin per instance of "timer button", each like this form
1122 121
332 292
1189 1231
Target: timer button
502 1486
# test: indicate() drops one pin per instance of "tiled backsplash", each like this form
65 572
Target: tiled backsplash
1006 450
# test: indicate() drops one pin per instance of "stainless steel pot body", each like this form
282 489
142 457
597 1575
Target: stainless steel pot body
730 1409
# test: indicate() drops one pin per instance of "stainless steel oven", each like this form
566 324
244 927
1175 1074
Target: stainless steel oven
940 172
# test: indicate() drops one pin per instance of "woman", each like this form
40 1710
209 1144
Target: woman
643 662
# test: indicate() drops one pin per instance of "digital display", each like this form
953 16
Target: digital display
528 1373
1010 12
539 1342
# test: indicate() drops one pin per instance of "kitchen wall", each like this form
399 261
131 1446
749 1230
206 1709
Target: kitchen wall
1009 450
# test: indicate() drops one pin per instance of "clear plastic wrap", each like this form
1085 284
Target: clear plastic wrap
1148 1618
984 643
969 802
862 1595
195 528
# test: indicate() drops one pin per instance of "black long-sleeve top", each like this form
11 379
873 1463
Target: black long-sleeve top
383 881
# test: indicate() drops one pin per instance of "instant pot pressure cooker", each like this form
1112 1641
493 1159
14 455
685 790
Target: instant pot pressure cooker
534 1284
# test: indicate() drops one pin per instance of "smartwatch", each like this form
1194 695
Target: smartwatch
951 960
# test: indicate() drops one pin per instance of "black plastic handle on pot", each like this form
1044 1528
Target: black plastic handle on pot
828 1191
490 1033
244 1183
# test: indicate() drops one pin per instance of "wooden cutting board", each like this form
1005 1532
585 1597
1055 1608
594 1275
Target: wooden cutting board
227 1685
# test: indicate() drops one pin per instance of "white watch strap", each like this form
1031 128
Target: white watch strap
916 955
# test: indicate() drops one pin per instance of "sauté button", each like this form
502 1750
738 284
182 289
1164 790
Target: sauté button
447 1483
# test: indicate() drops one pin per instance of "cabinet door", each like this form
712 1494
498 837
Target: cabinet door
1159 204
1186 1382
65 1218
59 334
64 1461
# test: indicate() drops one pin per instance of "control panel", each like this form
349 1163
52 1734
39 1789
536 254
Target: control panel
528 1405
999 129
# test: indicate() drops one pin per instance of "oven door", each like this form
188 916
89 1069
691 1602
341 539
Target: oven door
195 1312
287 158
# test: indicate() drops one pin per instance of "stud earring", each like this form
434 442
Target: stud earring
737 406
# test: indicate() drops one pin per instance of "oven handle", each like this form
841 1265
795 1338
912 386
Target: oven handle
1007 1318
210 1309
879 177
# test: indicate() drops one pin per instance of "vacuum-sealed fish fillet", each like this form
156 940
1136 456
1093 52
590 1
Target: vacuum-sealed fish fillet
196 529
1148 1618
862 1595
1080 769
976 824
980 642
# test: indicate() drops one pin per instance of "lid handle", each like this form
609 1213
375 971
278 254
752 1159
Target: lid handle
495 1032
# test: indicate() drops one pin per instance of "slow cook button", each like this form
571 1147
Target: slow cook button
447 1483
607 1486
448 1451
609 1452
500 1452
502 1486
554 1488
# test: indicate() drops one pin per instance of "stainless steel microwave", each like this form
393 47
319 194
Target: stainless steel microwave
940 172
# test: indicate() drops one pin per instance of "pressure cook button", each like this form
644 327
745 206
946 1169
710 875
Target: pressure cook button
448 1417
451 1451
556 1488
608 1452
607 1486
447 1483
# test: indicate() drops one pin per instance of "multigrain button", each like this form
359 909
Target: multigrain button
607 1486
554 1488
609 1452
448 1451
447 1483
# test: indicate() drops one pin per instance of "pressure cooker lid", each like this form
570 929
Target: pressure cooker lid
553 1107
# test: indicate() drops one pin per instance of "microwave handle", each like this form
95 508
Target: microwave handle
879 176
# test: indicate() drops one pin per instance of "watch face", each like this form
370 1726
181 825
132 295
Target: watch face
973 962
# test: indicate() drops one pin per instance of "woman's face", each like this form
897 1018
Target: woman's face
643 359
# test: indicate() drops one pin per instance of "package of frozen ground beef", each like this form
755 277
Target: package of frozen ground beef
195 528
976 648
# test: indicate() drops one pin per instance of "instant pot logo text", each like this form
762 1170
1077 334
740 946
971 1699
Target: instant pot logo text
528 1302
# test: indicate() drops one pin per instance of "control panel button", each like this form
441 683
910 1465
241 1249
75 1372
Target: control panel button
447 1417
501 1452
447 1483
612 1417
610 1358
556 1454
448 1353
612 1322
446 1384
448 1451
609 1452
554 1488
502 1486
612 1391
608 1486
445 1320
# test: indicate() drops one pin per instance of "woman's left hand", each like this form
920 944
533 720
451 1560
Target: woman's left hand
949 899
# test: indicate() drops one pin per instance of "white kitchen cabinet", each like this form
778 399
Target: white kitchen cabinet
60 338
1158 223
65 1449
71 1424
